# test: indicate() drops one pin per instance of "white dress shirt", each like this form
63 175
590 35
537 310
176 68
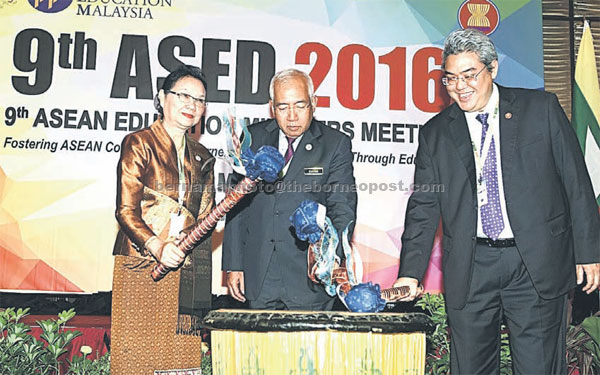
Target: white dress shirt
283 143
475 129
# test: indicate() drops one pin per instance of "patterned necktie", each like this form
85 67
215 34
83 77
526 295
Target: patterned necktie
290 150
491 213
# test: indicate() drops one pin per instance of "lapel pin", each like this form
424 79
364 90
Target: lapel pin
508 115
198 158
308 147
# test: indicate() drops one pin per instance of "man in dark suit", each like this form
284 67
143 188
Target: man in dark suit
264 260
520 222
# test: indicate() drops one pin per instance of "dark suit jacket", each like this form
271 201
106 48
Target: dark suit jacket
549 197
261 222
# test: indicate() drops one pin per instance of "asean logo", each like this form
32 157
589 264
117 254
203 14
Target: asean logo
482 15
50 6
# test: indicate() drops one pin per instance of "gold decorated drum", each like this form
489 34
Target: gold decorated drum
258 342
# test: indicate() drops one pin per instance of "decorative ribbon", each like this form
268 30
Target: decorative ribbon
265 165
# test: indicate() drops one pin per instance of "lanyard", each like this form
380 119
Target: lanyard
481 156
181 172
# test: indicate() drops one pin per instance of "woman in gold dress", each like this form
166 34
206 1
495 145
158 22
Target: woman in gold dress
164 185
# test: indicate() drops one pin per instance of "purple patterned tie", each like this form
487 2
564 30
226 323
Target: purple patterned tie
491 213
290 150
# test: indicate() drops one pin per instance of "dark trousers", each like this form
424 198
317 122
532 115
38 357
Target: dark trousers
502 289
273 295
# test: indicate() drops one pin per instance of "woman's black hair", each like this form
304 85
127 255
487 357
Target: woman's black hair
180 72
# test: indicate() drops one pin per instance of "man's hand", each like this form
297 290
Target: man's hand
413 285
235 283
592 275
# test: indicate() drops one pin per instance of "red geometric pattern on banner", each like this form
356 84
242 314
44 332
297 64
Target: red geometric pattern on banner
396 236
32 275
2 182
432 281
385 277
373 262
27 241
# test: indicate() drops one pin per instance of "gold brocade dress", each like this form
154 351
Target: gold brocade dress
146 314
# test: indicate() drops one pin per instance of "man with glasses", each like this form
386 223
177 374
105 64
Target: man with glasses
519 217
265 262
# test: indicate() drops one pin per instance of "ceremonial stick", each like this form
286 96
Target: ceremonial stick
399 292
265 164
210 221
340 276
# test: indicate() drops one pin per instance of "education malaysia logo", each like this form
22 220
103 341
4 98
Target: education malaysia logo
482 15
121 8
50 6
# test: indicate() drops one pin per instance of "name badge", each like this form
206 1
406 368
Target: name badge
176 224
482 194
314 171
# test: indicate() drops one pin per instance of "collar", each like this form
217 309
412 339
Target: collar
490 106
283 139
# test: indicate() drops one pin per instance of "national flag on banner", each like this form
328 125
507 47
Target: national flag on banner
586 107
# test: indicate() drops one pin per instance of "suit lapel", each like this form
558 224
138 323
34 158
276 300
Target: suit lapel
302 154
459 132
509 113
271 136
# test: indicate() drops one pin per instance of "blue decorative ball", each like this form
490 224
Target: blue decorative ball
266 164
365 297
304 221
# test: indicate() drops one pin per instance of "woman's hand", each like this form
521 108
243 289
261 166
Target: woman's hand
172 256
167 253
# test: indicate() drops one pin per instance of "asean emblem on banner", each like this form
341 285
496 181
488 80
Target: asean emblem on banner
50 6
482 15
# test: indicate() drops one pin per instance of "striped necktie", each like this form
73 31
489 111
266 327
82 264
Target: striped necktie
290 150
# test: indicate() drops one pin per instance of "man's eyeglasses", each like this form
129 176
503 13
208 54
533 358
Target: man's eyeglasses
187 98
300 106
467 78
